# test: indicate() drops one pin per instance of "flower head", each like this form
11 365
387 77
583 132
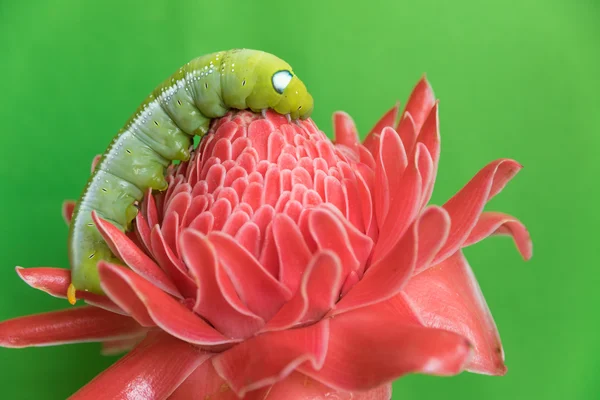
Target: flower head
281 265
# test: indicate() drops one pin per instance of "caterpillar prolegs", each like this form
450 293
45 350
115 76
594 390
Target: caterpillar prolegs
161 131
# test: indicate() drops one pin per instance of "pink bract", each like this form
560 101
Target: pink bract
280 265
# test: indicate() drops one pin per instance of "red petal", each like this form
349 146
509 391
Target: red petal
420 102
345 130
429 135
391 162
153 370
67 210
466 206
143 231
133 256
170 231
73 325
171 264
217 300
434 227
150 210
272 185
330 234
293 252
360 243
115 347
95 162
205 384
318 292
495 223
375 345
266 359
404 207
164 310
407 132
364 185
300 387
262 293
388 119
447 296
56 281
386 277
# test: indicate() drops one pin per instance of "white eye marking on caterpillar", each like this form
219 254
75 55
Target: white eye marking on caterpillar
281 79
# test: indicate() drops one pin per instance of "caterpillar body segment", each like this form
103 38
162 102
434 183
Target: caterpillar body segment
161 131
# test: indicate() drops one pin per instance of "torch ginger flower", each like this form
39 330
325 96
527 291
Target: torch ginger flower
279 265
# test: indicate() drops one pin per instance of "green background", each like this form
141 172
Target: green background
516 79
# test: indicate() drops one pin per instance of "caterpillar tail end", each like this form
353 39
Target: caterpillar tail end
71 294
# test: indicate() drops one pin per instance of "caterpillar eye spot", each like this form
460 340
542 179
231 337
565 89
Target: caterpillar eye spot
179 102
299 107
92 255
206 85
244 82
281 79
104 190
155 123
128 151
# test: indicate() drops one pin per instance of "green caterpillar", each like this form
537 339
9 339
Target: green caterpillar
162 130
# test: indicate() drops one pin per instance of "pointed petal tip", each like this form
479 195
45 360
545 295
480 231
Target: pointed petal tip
425 85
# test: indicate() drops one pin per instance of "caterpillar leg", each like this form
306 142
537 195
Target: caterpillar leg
288 117
264 113
71 294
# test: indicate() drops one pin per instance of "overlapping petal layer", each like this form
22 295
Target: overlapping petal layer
280 265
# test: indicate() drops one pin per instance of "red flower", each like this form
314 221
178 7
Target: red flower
281 265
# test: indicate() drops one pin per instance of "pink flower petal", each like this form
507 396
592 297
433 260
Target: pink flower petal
143 232
447 296
266 359
171 264
73 325
361 244
385 278
56 281
434 228
407 131
429 135
403 208
119 346
95 162
170 231
495 223
371 142
420 102
391 161
67 210
329 234
217 300
319 289
300 387
371 346
364 185
165 311
466 206
153 370
205 384
150 210
345 130
262 293
292 250
133 256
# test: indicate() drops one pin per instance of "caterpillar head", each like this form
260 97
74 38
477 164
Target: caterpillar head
294 98
277 87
